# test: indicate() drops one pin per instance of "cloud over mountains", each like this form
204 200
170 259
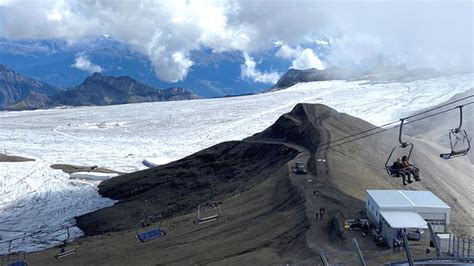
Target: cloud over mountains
83 63
418 33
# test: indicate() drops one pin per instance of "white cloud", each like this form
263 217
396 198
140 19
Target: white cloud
307 59
248 70
353 50
286 52
301 58
418 32
83 63
323 42
5 2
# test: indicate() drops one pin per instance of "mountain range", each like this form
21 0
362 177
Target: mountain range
53 61
18 92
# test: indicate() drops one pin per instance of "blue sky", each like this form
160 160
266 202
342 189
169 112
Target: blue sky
228 46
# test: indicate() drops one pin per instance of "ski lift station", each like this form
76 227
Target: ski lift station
392 210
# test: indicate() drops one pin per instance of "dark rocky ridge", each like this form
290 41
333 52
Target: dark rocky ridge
294 76
379 74
104 90
15 88
218 172
18 92
33 101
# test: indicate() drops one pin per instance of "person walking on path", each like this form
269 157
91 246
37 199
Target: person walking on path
321 212
316 193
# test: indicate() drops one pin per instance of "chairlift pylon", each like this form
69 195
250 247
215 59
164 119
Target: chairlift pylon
403 145
457 136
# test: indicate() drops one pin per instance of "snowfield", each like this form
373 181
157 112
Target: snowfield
37 203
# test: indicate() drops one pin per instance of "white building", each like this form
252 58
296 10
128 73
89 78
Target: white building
391 210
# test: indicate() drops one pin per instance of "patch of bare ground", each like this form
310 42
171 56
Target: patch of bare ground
12 158
69 169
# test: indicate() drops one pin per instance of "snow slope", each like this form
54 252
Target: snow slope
37 203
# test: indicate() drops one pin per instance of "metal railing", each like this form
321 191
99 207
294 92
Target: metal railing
460 247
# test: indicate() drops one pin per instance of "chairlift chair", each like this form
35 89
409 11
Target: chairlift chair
403 145
208 212
459 141
148 235
64 251
20 259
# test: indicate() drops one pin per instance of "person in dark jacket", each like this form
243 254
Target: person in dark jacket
408 167
321 212
401 171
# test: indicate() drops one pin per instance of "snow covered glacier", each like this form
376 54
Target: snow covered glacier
37 203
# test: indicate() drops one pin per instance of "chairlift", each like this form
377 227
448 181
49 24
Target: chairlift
15 259
65 251
391 171
458 140
148 235
208 212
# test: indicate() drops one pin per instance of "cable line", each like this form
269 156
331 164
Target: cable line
381 130
394 122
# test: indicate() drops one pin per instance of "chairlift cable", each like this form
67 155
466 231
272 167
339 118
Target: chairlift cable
395 122
438 107
359 133
381 130
438 113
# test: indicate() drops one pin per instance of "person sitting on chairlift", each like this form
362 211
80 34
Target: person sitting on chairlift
410 168
400 171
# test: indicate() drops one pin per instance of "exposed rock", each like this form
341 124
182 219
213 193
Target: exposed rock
294 76
15 88
18 92
105 90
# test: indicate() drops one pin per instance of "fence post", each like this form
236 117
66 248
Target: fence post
435 240
449 244
463 240
457 249
469 248
10 246
407 248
